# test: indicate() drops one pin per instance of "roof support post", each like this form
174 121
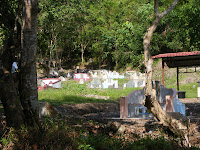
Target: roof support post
177 82
163 74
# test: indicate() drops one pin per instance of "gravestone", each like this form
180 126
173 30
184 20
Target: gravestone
95 83
51 82
116 84
130 83
135 107
166 98
135 83
81 76
81 81
163 92
198 92
169 103
178 106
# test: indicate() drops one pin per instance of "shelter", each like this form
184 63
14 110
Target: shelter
180 59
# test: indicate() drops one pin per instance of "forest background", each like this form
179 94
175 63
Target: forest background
93 34
108 33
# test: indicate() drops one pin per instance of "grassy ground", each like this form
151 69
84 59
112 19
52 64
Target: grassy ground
84 135
190 89
73 93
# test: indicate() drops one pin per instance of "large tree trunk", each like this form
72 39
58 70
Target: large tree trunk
28 83
12 106
151 102
9 82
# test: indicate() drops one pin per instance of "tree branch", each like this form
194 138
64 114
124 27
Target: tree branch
164 13
156 11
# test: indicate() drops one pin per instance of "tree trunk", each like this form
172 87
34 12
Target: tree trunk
83 47
151 102
82 55
12 106
28 93
9 82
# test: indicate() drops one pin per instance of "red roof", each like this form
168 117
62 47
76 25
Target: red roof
177 54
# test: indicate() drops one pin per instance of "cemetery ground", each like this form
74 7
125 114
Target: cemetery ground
88 119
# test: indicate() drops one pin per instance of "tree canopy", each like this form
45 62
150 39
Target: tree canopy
106 33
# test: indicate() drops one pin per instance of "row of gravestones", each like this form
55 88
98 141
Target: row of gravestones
101 78
111 83
105 74
108 83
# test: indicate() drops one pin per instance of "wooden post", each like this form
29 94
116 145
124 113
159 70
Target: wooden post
123 107
177 80
163 74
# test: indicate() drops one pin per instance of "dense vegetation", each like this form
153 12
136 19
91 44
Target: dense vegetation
109 33
94 34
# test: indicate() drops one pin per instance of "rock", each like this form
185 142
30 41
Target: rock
121 129
46 109
116 127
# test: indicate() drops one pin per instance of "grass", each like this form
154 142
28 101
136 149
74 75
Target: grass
73 93
66 134
190 89
187 78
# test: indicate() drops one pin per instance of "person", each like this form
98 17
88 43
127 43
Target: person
14 67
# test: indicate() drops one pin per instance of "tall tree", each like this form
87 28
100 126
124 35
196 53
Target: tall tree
150 101
8 81
20 102
28 84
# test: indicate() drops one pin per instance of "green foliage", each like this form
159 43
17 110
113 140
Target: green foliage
106 143
108 31
179 29
61 134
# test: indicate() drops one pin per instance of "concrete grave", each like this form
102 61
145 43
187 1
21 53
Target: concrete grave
198 92
136 79
81 76
135 75
51 82
62 78
53 73
105 79
108 83
135 83
166 97
105 74
95 83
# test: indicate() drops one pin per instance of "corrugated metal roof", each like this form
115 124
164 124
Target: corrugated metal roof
193 53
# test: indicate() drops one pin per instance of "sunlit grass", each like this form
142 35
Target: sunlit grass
189 88
73 93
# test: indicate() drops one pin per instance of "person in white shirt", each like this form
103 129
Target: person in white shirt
14 67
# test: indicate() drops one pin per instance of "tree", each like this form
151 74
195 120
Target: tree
28 80
9 82
19 89
150 94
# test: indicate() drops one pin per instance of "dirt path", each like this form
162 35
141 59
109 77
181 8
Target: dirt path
103 113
